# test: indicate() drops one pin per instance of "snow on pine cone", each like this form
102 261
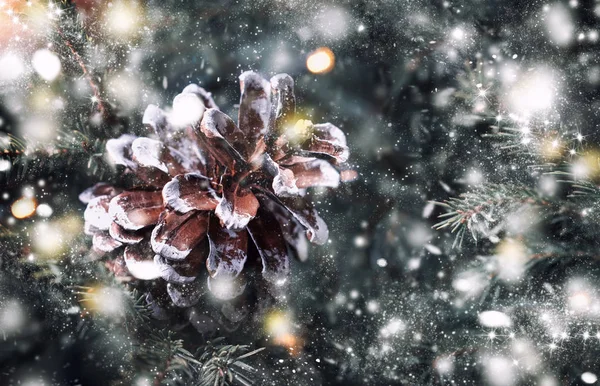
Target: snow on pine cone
209 192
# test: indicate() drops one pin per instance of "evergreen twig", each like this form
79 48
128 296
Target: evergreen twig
483 208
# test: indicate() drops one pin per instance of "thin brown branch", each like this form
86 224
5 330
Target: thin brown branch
86 73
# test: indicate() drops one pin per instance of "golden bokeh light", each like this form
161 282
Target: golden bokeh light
551 149
24 207
105 301
299 132
279 327
277 323
511 249
320 61
512 255
41 99
48 239
123 19
587 165
51 239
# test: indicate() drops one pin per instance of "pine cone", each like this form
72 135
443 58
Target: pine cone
211 192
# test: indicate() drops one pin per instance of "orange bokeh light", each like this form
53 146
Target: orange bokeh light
24 207
320 61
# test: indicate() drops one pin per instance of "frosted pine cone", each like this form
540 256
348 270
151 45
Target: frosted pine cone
210 192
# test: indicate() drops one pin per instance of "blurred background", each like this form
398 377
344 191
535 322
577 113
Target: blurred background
490 107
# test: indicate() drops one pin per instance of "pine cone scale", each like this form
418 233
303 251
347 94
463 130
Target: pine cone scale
176 235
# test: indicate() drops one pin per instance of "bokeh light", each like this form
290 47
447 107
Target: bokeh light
320 61
24 207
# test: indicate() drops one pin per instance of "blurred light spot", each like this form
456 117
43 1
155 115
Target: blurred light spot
46 64
360 241
144 381
494 319
414 263
34 382
559 25
534 92
320 61
12 317
499 371
23 207
333 22
38 128
11 67
44 210
589 378
551 148
299 132
458 33
225 287
278 325
5 165
123 19
579 301
444 365
125 89
187 109
474 177
106 301
372 306
587 165
548 185
470 283
511 259
392 328
48 239
580 295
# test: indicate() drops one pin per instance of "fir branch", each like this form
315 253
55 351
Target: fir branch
480 210
71 140
534 140
69 149
173 364
582 187
223 365
166 355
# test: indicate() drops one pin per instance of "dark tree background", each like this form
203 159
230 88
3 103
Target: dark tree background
466 251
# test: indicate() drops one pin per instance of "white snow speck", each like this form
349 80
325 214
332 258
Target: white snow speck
494 319
589 378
